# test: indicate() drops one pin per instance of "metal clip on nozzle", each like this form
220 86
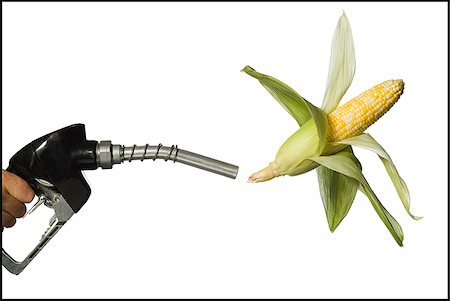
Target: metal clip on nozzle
52 166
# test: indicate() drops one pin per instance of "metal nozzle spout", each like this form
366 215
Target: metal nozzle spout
109 154
208 164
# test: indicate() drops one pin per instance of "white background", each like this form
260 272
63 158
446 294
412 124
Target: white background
170 73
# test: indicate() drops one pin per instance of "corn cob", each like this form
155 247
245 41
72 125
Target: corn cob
355 116
327 134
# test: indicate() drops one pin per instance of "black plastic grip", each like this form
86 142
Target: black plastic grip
58 158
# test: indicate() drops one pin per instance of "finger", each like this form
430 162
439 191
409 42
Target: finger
7 220
17 187
13 206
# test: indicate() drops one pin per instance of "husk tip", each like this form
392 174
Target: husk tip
247 69
416 218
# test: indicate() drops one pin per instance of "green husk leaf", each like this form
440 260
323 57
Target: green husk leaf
296 105
346 164
290 100
338 192
321 122
368 142
342 65
292 155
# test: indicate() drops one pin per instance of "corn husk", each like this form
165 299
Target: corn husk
339 171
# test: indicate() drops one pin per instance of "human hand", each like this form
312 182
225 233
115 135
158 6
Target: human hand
15 192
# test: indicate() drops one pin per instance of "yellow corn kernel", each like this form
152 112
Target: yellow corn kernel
354 117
